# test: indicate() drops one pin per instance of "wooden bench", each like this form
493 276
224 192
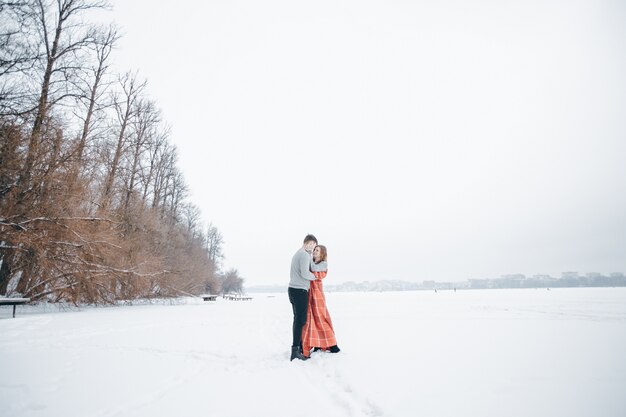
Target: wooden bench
237 297
14 302
208 297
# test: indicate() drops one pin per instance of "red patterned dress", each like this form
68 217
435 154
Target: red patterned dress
318 330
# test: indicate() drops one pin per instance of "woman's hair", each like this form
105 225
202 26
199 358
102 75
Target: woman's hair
323 253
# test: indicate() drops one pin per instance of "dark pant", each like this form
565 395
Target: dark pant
299 300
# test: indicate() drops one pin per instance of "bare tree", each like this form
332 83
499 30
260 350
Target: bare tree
214 245
76 227
64 37
164 168
192 218
18 54
126 110
157 147
231 282
178 194
144 126
92 92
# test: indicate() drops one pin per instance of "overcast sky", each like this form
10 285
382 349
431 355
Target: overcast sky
417 140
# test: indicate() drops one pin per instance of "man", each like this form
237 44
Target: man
299 283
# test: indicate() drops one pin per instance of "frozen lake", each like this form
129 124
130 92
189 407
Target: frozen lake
476 353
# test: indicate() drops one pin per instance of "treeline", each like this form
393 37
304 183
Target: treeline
616 279
92 202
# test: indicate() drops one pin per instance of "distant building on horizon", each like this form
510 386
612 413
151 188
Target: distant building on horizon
514 277
542 276
429 285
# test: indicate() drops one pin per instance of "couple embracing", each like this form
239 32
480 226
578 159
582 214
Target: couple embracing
312 326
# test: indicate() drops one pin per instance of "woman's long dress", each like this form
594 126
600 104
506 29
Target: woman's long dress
318 330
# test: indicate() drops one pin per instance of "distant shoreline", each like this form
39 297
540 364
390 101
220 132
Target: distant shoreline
507 282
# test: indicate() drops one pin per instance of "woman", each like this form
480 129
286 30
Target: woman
318 331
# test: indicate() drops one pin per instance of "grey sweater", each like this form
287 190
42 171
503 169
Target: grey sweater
322 266
301 275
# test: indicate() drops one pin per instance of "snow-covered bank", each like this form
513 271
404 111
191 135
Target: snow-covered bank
469 353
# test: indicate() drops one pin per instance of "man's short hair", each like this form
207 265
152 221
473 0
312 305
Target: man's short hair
310 238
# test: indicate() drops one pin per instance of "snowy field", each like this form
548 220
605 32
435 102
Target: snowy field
471 353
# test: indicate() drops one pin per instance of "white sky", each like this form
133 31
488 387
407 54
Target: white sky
418 140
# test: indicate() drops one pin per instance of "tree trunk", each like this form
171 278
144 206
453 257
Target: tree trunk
42 107
131 91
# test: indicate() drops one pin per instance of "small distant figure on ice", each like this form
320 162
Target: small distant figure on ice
312 326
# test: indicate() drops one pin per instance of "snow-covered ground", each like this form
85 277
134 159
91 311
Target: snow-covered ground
471 353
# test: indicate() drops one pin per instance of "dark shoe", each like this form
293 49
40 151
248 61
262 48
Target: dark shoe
334 349
316 349
297 354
